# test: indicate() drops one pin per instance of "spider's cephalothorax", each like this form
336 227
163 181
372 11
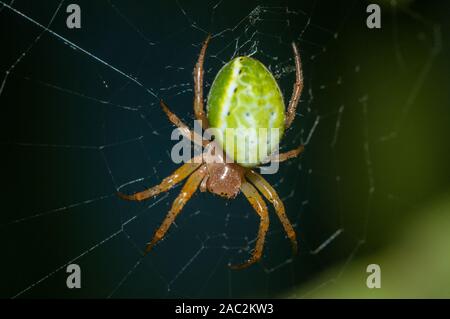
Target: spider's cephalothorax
222 178
244 97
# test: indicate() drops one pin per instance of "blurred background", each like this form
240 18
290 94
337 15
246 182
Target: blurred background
80 120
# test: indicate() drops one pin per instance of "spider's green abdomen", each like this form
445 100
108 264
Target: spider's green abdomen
245 98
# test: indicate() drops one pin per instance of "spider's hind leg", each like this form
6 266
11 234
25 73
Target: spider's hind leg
286 155
298 88
185 130
198 86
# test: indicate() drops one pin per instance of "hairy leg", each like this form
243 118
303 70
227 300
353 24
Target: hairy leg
181 173
298 87
185 130
286 155
260 207
188 190
267 190
198 86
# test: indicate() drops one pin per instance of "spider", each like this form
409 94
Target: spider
244 93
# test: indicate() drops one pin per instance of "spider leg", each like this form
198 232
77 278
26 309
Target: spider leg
260 207
167 183
185 130
298 87
188 190
198 86
287 155
267 190
203 187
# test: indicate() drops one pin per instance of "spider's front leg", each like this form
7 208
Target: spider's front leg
181 173
187 191
260 207
267 190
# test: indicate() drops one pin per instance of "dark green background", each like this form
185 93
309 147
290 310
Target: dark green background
61 146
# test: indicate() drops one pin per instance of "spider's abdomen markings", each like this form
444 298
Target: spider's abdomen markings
245 97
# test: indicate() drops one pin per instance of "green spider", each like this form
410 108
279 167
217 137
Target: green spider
244 95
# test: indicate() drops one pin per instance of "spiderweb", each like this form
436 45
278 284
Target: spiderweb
81 120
